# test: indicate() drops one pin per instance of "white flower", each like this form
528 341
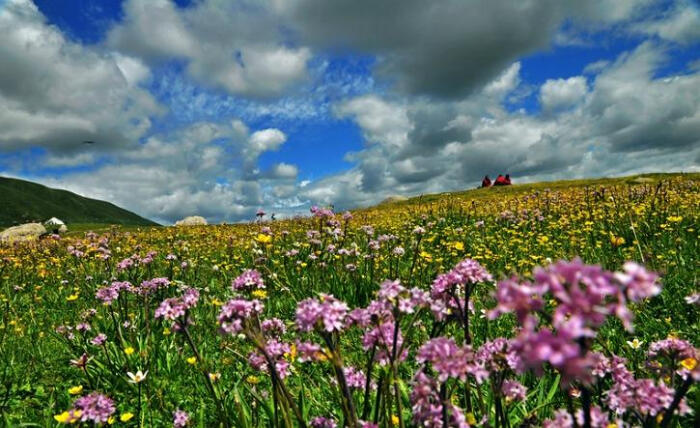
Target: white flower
635 344
138 377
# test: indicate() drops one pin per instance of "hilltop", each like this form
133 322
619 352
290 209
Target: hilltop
25 201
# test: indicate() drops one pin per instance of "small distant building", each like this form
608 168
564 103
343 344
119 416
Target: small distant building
55 225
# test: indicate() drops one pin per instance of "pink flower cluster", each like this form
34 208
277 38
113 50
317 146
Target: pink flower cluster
248 280
95 408
327 314
235 312
450 290
175 307
584 296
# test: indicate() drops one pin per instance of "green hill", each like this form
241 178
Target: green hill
23 201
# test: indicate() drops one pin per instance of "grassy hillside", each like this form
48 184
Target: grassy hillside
23 201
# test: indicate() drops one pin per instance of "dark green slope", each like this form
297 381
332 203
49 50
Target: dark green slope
23 201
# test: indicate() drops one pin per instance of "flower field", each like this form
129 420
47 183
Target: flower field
571 304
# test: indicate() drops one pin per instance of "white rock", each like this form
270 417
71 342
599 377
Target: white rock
193 220
22 233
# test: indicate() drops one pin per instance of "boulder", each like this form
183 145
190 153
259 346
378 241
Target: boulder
193 220
22 233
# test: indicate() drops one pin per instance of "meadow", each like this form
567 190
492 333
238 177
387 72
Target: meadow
569 304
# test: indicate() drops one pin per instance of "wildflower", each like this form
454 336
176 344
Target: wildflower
192 360
129 350
513 390
99 340
693 299
329 314
689 363
259 294
321 422
126 416
72 297
446 358
249 279
107 294
617 241
635 343
138 377
96 408
75 390
263 239
81 362
237 311
180 418
68 417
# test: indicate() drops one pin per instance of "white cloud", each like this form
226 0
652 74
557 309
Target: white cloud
681 23
235 46
56 94
562 93
265 140
381 121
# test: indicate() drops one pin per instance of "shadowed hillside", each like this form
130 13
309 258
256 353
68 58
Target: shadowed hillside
23 201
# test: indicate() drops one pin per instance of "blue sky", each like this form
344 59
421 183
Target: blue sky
220 108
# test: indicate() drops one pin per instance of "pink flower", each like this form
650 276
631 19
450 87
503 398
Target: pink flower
96 408
248 280
513 390
180 418
235 312
327 314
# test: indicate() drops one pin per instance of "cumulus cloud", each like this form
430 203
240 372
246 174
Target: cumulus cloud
203 169
680 23
235 46
562 93
52 91
449 48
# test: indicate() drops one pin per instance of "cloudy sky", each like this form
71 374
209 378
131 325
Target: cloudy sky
221 107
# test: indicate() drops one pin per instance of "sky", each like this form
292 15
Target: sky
219 108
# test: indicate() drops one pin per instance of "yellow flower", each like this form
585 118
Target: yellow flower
129 350
72 297
68 417
110 420
214 376
689 363
75 390
125 417
259 294
674 219
192 360
616 241
459 246
471 420
253 380
394 420
166 331
612 425
263 239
